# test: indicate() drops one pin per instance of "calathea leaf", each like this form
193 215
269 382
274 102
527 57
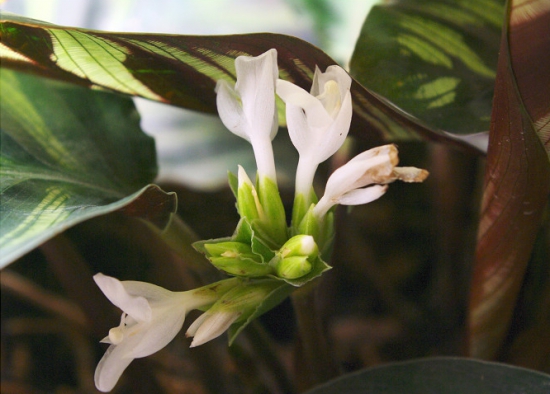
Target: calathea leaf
69 154
434 59
517 179
183 70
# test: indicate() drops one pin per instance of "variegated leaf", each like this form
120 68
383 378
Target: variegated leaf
435 59
517 180
69 154
183 70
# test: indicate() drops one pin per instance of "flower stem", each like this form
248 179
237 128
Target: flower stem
314 361
262 344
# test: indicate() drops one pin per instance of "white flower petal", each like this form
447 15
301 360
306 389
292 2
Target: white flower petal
256 78
110 368
317 116
135 306
166 326
338 131
230 110
297 123
318 122
363 196
318 83
192 330
351 176
213 326
332 73
373 166
149 291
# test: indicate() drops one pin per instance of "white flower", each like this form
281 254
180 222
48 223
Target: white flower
151 318
318 122
236 304
248 109
211 325
348 184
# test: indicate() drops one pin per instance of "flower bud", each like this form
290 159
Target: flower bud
248 203
236 305
293 267
237 258
275 216
295 257
300 245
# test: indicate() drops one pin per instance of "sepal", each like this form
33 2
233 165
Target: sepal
300 208
275 215
322 229
278 292
318 266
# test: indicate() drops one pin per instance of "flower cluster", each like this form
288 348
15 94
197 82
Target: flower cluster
265 257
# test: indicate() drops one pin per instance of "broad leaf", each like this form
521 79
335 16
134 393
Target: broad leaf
68 154
442 376
436 59
183 70
517 180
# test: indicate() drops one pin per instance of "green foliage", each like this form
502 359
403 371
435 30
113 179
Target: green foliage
69 156
183 70
434 59
440 375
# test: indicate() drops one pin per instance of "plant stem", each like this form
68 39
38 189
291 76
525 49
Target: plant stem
314 361
262 344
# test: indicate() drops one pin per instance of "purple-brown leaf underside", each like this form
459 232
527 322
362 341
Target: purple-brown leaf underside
530 45
184 84
153 205
517 180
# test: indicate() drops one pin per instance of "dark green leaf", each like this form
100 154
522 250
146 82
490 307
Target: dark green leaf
441 376
517 180
69 154
183 70
436 59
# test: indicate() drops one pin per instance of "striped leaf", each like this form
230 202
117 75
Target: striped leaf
183 70
436 59
517 180
69 154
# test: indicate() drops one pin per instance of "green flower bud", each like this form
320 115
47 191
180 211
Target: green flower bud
302 203
299 245
295 257
237 258
322 229
293 267
248 203
263 208
238 304
274 221
246 296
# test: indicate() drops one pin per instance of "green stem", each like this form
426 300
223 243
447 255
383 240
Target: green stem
314 361
262 344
